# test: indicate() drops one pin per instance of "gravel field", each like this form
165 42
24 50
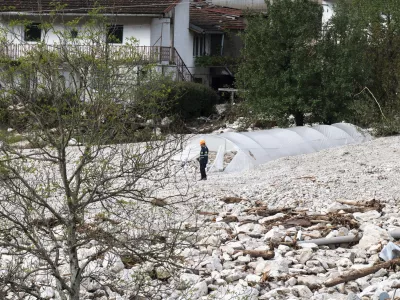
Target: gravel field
312 184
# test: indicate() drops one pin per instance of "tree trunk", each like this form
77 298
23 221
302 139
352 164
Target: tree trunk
299 118
73 260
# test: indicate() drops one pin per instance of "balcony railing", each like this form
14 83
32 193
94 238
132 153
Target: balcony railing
140 54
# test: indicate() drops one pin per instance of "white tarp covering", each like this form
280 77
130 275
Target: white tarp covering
258 147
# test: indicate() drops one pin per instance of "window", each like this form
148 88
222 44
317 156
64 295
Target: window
199 45
33 33
216 44
115 34
74 33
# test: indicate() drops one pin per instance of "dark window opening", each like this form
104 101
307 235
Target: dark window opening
199 45
115 34
33 32
216 44
198 80
74 33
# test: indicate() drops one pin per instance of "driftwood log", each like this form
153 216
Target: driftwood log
257 253
355 274
229 200
361 206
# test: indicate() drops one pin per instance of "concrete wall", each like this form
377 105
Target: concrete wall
183 39
328 7
134 27
160 32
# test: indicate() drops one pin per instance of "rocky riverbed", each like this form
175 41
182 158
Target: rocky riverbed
275 207
252 235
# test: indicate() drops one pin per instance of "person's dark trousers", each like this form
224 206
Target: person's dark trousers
203 170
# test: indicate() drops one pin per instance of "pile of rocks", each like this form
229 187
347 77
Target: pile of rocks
261 257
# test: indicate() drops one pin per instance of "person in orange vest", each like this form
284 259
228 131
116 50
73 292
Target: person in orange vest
203 159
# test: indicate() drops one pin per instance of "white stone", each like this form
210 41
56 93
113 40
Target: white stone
253 278
244 259
344 262
234 276
187 279
313 282
292 281
372 235
283 248
308 245
274 235
162 273
276 268
199 290
303 291
366 216
235 246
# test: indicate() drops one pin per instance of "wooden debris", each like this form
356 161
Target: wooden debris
312 178
355 274
229 200
158 202
362 206
230 219
257 253
265 212
303 222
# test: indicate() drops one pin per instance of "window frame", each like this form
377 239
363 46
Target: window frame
28 32
111 38
199 45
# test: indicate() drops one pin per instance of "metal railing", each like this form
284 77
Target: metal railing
141 54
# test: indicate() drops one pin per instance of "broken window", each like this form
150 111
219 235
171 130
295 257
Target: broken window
115 34
33 33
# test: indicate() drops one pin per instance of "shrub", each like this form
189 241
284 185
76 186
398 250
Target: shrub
185 100
194 100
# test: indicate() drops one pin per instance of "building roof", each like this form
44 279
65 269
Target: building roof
210 17
146 7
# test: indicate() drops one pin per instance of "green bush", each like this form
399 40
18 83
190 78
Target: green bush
185 100
194 100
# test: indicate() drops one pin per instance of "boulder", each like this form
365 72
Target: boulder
372 235
312 282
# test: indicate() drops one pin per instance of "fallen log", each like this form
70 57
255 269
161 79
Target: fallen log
361 206
230 219
334 240
355 274
229 200
257 253
263 211
158 202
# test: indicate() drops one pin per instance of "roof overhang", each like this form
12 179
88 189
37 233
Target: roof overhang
198 29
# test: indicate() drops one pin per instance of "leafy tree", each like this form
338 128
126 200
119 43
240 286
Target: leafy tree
75 198
281 70
361 50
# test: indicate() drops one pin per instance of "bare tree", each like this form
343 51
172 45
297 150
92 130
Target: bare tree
76 205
